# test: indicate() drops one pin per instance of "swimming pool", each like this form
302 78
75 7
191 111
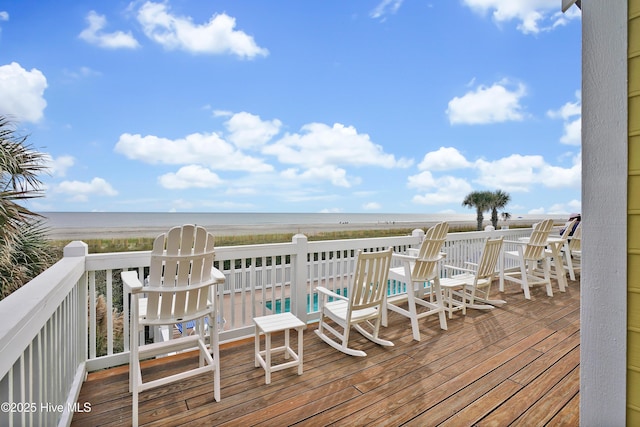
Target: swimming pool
393 289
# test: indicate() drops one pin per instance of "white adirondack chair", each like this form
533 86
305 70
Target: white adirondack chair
573 253
527 256
557 254
361 308
180 289
415 272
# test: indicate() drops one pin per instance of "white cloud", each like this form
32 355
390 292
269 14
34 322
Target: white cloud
222 113
22 93
4 16
533 16
493 104
201 149
557 177
384 8
192 176
58 166
93 34
521 173
565 208
319 144
572 132
446 189
81 191
335 175
215 37
571 113
371 206
82 72
446 158
249 131
513 173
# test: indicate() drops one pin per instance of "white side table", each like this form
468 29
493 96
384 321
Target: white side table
277 323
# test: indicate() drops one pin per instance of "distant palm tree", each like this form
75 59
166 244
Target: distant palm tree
499 199
481 200
24 250
506 216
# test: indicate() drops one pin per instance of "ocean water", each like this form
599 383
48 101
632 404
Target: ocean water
104 220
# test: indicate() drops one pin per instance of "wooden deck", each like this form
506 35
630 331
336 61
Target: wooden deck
515 365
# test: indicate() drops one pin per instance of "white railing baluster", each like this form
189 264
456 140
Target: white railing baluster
109 311
92 315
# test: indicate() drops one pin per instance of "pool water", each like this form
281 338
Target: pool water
394 288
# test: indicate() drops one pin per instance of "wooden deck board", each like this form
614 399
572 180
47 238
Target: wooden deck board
515 364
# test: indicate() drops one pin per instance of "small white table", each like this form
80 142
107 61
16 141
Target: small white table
277 323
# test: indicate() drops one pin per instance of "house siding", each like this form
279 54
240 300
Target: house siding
633 203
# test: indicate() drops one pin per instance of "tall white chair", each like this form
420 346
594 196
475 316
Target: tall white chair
527 257
361 308
470 287
573 253
557 253
415 273
180 289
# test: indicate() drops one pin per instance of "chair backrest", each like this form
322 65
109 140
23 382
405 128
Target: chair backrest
180 274
535 249
369 286
489 259
426 265
568 229
575 242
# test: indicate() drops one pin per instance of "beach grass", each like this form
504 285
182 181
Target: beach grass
132 244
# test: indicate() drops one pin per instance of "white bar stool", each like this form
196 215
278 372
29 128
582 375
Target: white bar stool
277 323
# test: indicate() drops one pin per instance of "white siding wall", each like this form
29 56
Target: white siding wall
604 195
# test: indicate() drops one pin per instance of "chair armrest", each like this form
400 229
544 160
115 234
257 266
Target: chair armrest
217 275
327 292
516 242
130 282
453 267
403 257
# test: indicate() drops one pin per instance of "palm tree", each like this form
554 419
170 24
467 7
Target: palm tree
506 216
24 250
481 200
499 199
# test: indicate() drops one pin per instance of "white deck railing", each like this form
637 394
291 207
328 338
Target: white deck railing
53 331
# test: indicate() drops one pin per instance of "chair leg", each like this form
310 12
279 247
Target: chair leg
215 353
567 255
385 315
440 303
547 276
413 313
525 282
135 372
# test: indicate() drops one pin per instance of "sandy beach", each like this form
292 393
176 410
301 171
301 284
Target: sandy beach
77 233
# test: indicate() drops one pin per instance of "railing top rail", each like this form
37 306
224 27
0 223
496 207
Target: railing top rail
26 310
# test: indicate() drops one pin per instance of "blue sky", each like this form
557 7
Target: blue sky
384 106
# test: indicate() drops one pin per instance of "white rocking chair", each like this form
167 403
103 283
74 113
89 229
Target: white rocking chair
470 287
361 308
